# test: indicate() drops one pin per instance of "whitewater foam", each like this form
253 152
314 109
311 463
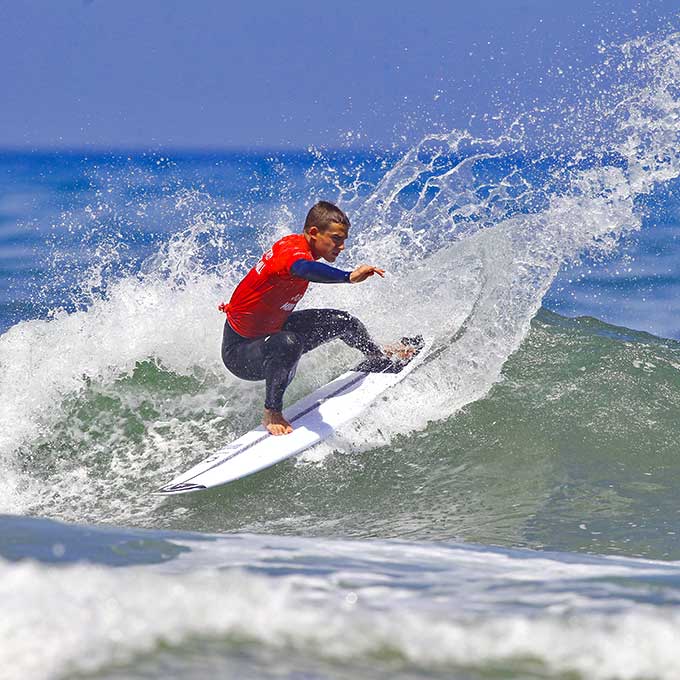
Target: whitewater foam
481 608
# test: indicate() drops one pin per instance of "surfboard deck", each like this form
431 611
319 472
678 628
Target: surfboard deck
314 418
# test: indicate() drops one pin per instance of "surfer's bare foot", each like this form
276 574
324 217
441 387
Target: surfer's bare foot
399 352
276 423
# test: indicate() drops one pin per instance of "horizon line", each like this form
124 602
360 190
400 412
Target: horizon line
197 150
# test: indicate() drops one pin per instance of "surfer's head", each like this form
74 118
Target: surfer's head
326 230
323 214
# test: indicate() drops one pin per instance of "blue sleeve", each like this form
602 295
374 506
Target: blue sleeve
318 272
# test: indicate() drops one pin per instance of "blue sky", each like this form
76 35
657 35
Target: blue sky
224 74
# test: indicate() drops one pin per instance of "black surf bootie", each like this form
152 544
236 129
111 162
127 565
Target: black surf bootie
384 364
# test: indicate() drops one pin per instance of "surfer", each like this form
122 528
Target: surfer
263 338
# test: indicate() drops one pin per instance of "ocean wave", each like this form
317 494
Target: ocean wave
391 607
573 449
106 397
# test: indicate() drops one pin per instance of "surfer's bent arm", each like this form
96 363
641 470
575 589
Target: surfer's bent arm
318 272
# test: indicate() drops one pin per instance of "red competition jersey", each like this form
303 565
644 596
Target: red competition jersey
268 294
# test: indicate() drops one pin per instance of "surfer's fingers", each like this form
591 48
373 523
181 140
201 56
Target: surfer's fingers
364 271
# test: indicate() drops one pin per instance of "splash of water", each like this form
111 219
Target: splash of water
454 199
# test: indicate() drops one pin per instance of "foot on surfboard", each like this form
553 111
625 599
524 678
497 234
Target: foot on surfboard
275 423
395 357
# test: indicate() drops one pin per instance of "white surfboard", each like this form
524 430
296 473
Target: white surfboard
313 418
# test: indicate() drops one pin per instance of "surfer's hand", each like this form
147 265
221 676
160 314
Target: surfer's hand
363 271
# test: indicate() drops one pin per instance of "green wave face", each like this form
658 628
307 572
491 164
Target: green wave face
576 448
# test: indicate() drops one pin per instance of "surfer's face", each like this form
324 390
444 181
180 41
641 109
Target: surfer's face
328 243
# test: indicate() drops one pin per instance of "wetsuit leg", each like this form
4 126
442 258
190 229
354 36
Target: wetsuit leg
271 358
317 326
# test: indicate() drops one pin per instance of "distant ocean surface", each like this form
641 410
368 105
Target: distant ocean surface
510 511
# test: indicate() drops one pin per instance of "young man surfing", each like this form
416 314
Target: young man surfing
264 339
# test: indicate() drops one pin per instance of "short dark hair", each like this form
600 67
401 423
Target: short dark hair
323 214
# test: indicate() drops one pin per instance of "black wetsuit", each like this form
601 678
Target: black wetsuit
273 358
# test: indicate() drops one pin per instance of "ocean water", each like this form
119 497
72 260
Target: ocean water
510 511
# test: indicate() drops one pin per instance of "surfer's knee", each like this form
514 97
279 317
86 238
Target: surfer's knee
350 325
353 332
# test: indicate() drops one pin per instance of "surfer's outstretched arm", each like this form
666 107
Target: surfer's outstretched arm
318 272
